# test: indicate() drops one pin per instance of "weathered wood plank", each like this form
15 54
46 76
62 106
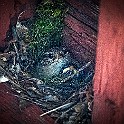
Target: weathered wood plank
86 6
84 12
78 51
109 72
83 41
11 113
80 28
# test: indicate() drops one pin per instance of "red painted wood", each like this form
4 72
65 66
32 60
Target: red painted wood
9 11
80 32
79 39
109 73
84 7
10 112
80 28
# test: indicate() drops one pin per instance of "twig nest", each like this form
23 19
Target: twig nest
52 64
78 108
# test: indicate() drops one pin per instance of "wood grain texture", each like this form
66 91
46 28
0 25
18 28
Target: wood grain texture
109 72
11 113
80 32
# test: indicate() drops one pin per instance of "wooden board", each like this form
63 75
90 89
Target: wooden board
11 113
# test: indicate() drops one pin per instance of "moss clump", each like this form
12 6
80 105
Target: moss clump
46 31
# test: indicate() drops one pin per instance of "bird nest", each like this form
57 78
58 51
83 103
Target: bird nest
60 85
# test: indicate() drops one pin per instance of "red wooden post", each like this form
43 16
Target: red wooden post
109 73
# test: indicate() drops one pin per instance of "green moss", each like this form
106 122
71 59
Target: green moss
46 31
